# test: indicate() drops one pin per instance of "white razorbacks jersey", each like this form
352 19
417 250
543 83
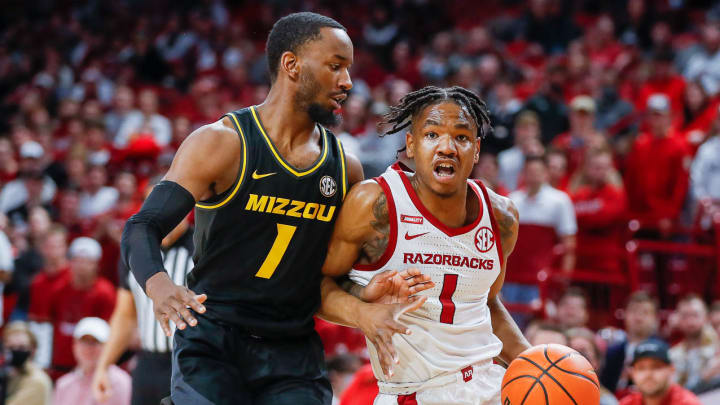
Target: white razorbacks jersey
452 329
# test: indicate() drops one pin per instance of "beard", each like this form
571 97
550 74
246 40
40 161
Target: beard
304 101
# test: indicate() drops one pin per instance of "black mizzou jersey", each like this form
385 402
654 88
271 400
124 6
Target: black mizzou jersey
260 246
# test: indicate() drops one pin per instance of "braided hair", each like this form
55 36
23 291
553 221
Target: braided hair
400 116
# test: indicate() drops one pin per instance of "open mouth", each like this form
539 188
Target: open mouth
444 170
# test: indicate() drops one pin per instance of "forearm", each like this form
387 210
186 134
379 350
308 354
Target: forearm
505 328
337 305
164 208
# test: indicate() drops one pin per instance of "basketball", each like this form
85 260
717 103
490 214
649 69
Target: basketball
550 375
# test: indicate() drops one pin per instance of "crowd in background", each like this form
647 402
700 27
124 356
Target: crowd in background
605 115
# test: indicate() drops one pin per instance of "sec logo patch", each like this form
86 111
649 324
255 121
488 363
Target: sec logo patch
484 239
328 186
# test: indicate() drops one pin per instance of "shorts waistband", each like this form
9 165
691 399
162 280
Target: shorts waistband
463 375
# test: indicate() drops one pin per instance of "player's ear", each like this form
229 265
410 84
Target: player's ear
290 64
409 144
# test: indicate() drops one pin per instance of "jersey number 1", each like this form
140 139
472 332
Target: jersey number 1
448 306
282 240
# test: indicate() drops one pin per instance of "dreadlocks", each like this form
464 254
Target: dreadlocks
400 116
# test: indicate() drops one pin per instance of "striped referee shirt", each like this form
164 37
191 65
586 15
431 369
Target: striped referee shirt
177 260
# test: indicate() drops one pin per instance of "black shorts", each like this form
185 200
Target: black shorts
219 364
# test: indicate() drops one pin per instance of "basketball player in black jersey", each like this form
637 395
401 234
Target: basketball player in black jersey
266 183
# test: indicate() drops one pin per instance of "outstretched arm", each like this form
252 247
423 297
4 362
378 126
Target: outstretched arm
504 327
362 231
191 177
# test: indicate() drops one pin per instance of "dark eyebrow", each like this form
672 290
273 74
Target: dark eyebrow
463 125
430 122
342 58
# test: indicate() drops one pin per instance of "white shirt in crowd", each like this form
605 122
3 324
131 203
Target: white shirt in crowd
549 207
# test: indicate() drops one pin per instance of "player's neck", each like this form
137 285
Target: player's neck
282 122
451 211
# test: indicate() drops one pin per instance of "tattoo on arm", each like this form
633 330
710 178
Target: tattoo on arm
507 223
373 249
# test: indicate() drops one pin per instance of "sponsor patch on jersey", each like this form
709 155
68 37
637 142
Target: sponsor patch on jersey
449 260
484 239
328 186
409 219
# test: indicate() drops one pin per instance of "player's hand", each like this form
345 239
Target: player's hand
101 385
392 287
379 322
172 302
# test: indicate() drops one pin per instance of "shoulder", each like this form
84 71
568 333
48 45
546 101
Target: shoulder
66 381
355 173
632 399
503 207
363 195
215 135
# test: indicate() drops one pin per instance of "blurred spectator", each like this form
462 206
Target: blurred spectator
548 24
7 264
572 309
546 333
527 142
600 209
362 389
97 198
31 189
549 103
558 175
75 388
663 80
656 173
653 372
487 170
699 115
714 316
81 295
705 178
699 344
8 164
341 370
144 122
436 65
582 135
504 105
704 63
123 103
584 341
27 384
547 218
641 323
380 33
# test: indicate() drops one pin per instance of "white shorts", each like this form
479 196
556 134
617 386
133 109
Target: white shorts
481 386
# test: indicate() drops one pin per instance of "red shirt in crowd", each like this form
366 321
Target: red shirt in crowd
339 339
68 306
676 396
600 214
40 288
656 177
673 87
362 390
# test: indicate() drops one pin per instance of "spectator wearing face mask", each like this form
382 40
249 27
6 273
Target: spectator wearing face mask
27 383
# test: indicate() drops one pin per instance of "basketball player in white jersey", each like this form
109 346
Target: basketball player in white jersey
453 230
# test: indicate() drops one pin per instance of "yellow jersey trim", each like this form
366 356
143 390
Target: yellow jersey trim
344 173
242 171
281 160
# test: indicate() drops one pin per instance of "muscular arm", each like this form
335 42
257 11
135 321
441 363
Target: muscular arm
192 177
504 327
355 228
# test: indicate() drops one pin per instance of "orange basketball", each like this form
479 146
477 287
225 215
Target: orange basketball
550 375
